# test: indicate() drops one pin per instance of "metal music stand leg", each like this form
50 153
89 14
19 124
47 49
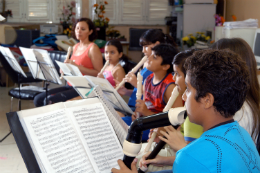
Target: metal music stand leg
46 88
19 102
19 105
5 136
10 130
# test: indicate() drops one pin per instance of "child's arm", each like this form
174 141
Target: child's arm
123 90
119 73
178 102
131 78
140 105
157 161
100 75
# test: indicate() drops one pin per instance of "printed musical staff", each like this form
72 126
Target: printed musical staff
58 143
99 136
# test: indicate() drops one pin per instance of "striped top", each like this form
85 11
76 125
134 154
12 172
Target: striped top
154 93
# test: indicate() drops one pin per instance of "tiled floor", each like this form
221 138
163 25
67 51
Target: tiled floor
10 157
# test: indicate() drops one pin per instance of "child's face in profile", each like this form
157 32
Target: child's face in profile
147 49
154 62
194 108
179 79
112 54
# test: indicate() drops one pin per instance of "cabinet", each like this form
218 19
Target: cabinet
198 18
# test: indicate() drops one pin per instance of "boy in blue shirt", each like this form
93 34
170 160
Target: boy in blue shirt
217 82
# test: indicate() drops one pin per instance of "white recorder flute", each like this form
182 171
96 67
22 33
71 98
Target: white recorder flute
169 104
134 70
139 90
104 67
67 57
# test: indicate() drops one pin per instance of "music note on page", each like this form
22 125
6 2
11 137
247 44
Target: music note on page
57 144
102 146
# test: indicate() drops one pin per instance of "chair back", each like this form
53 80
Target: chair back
59 56
128 66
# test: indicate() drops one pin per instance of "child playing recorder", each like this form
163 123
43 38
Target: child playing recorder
217 82
158 86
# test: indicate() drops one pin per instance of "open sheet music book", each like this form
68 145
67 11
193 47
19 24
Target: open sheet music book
84 85
69 69
75 136
41 65
11 60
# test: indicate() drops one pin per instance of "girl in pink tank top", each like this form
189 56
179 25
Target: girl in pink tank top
113 53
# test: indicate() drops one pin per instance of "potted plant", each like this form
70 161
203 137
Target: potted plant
68 18
100 21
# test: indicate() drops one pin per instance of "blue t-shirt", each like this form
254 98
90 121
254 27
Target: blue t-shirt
225 148
144 72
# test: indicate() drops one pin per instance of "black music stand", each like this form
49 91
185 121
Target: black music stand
16 67
41 66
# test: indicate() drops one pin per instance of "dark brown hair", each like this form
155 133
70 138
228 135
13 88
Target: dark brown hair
167 52
91 26
241 47
180 58
223 74
151 36
119 48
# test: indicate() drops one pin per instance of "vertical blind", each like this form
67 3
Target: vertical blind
110 10
14 6
37 8
132 10
158 9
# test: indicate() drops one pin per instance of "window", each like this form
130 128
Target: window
132 12
157 10
39 11
142 12
16 7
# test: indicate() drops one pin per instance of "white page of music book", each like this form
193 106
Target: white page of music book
79 81
60 147
69 69
14 64
112 94
51 74
31 60
95 129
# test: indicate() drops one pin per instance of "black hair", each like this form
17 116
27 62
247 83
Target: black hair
151 36
119 48
180 58
167 52
91 26
242 48
221 73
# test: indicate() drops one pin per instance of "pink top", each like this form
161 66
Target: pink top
83 59
108 75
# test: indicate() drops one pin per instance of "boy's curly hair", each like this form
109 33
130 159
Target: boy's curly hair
167 52
223 74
